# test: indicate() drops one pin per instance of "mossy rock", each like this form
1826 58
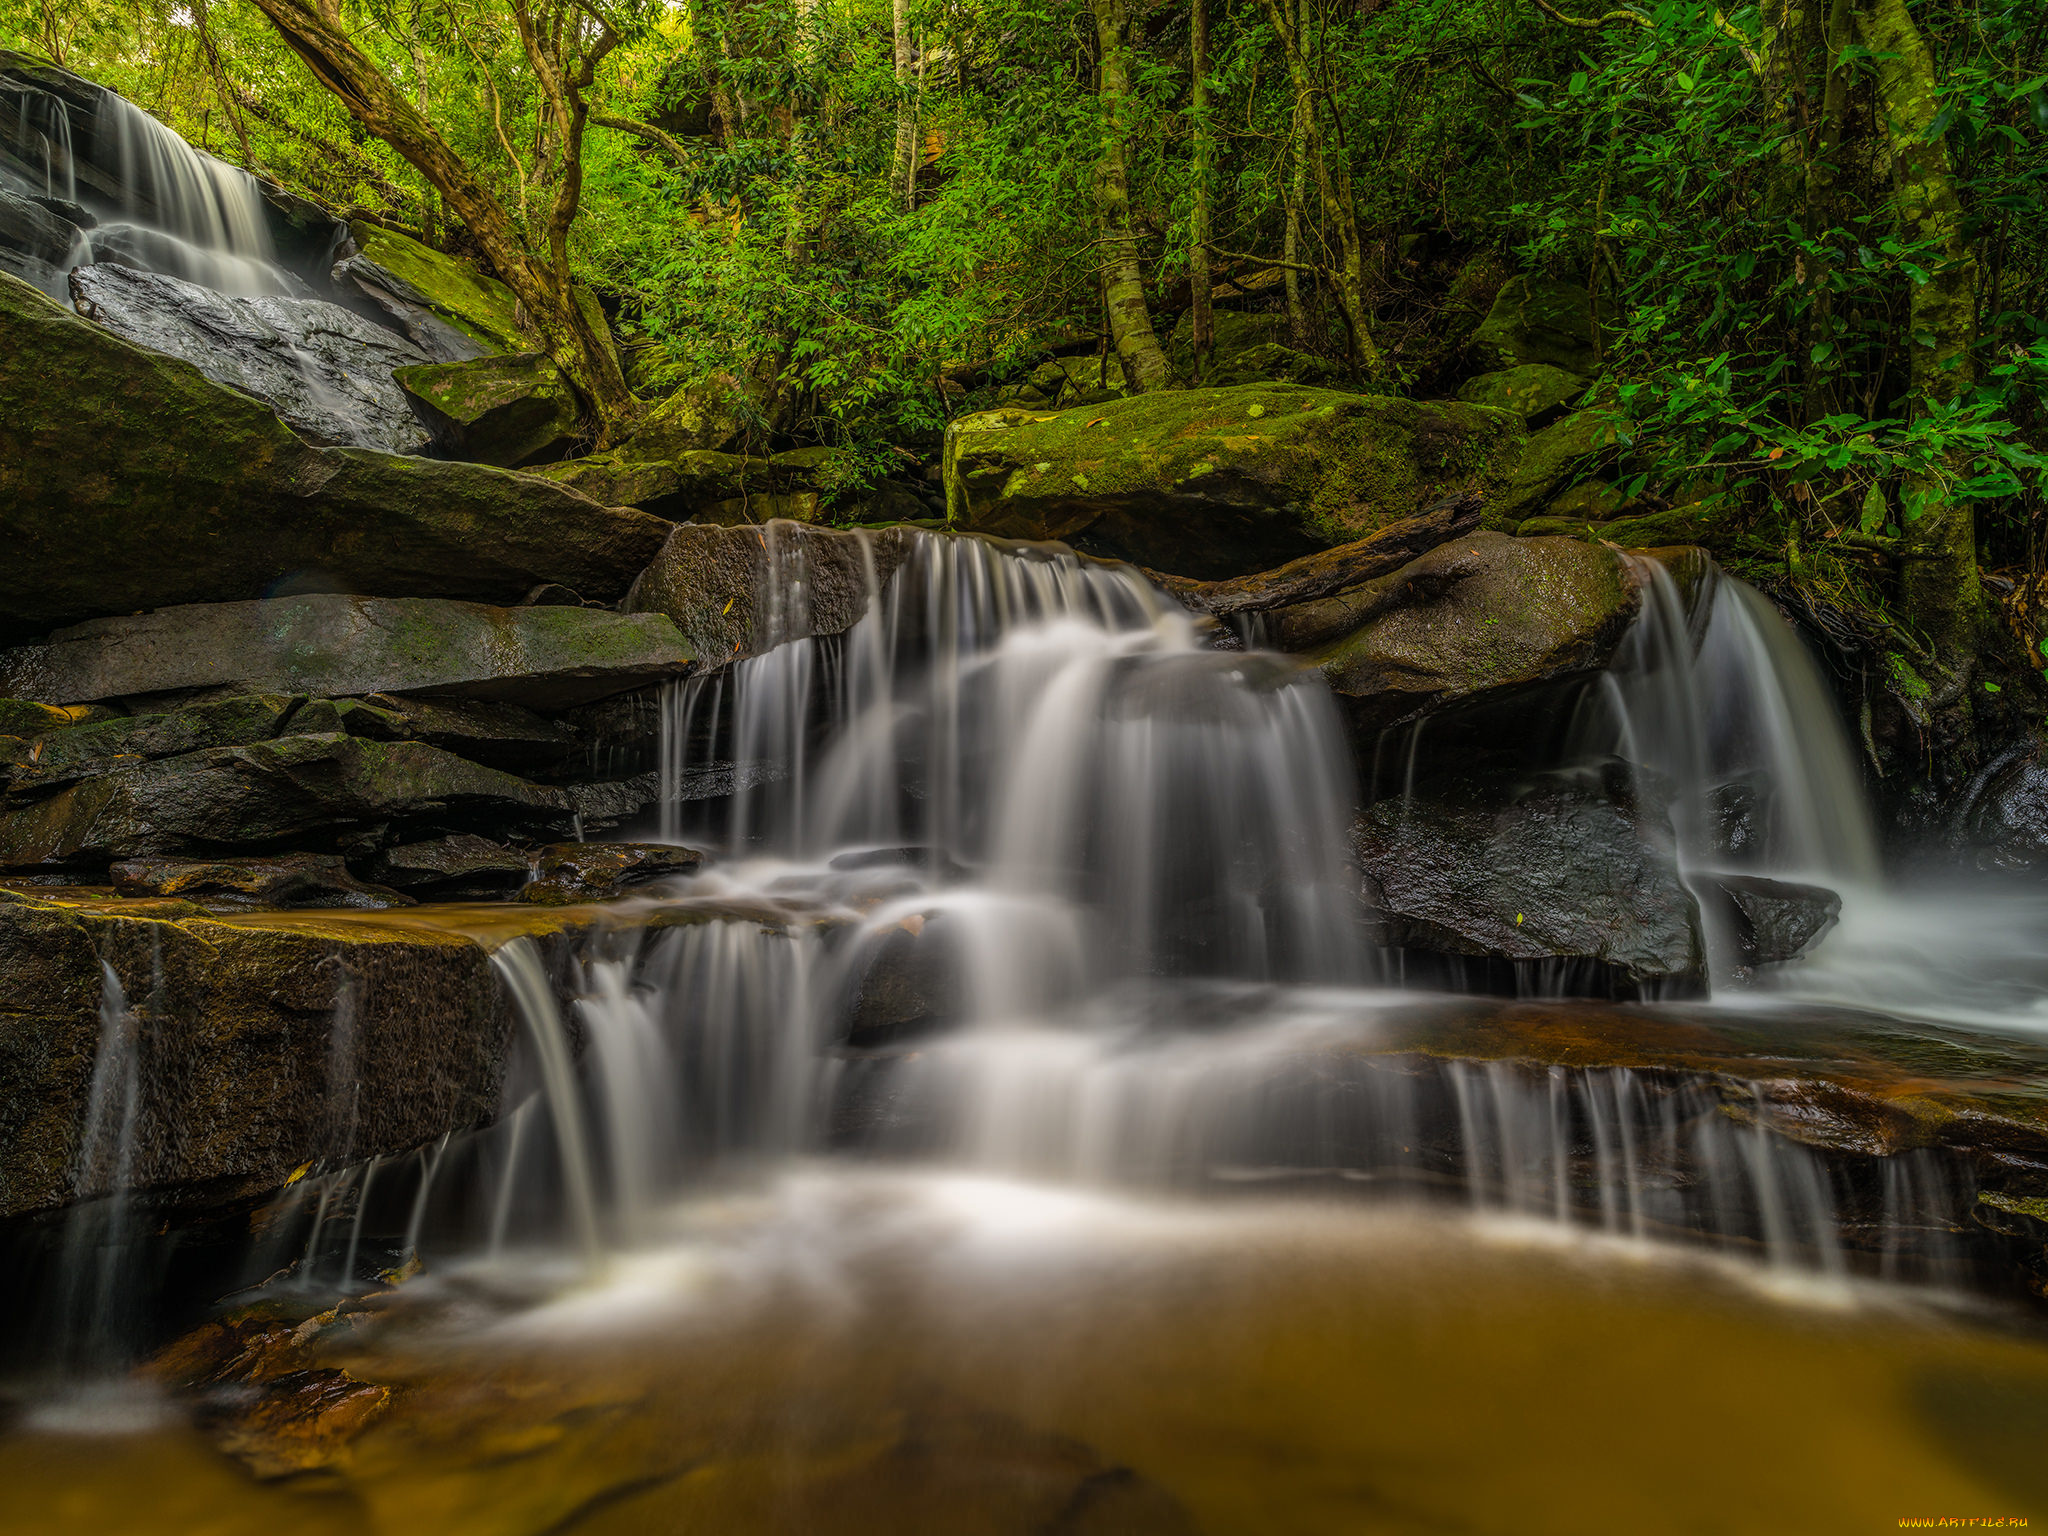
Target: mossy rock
1695 523
129 481
326 644
1537 392
713 416
682 489
507 410
1482 614
1537 320
1212 483
1550 461
482 308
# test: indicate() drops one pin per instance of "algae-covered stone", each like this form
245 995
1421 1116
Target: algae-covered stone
481 308
328 644
1552 458
1537 320
1698 523
280 881
726 588
713 416
1536 392
1211 483
510 410
682 489
570 872
130 481
1482 613
63 754
328 788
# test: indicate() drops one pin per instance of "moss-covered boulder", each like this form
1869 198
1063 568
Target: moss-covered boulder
1539 393
510 410
1694 523
1537 320
1561 454
1212 483
327 644
62 751
713 416
686 488
1478 615
129 481
726 588
481 308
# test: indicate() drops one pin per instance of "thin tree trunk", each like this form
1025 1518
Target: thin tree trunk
1939 586
540 281
904 178
1290 246
1201 318
1123 277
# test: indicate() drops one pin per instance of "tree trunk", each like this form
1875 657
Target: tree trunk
904 175
1333 191
1201 319
539 281
1290 246
1123 278
1939 587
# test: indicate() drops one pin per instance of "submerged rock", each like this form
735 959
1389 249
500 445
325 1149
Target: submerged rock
510 410
1552 872
1479 614
327 644
286 880
727 589
324 369
1211 483
128 481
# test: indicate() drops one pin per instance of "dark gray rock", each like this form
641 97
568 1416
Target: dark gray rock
283 880
32 228
1552 871
409 310
447 868
570 872
324 369
1771 921
63 754
2001 822
332 789
128 481
328 645
488 731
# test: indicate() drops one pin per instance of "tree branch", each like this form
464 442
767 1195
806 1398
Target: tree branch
1591 23
649 132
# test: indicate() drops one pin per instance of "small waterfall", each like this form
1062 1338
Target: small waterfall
190 215
42 130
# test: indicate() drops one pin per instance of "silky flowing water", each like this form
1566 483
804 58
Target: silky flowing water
1010 1129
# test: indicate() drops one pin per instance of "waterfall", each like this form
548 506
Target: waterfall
185 213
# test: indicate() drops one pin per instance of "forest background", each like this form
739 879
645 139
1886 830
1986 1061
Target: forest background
1814 234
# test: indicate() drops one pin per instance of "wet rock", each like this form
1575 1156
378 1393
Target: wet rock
1772 920
569 872
724 587
2001 820
487 731
242 1078
510 410
324 369
68 752
300 1421
327 644
1480 614
1539 393
285 880
1211 483
332 789
33 229
680 489
1537 320
449 868
130 481
1548 872
432 295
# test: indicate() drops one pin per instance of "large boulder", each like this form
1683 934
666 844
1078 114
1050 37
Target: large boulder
1565 451
510 410
1213 483
1539 393
736 592
1480 614
129 481
693 487
328 644
1555 871
324 369
713 416
450 310
1537 320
